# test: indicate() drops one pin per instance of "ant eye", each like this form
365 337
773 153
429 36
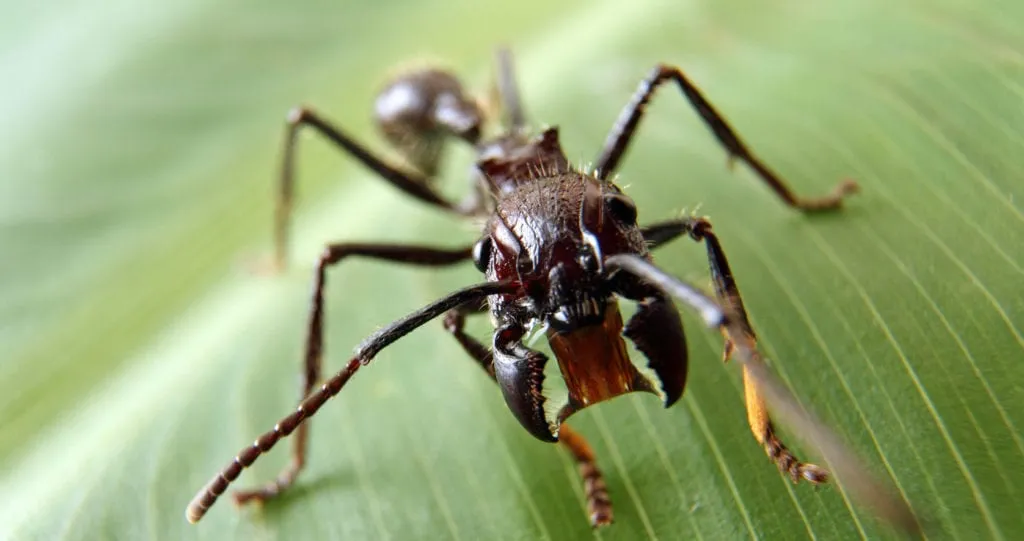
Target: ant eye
622 208
482 254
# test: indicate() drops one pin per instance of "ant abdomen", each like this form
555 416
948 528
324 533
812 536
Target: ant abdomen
420 109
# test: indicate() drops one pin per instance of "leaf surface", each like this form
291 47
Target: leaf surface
137 157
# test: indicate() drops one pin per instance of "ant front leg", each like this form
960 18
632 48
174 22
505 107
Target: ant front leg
332 255
625 127
366 351
699 229
599 504
763 386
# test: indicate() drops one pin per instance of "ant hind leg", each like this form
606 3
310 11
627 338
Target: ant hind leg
416 112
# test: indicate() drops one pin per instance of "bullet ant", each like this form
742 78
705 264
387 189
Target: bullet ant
558 248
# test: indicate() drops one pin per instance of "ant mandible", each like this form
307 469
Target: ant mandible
559 246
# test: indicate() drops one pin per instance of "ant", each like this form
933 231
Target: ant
559 246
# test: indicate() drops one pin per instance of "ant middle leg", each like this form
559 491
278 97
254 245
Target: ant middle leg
727 292
417 113
625 127
332 255
599 505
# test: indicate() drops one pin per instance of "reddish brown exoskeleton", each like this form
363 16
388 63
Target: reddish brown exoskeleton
559 248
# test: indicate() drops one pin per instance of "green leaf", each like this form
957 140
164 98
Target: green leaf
137 155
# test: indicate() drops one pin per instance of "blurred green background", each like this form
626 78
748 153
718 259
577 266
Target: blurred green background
138 144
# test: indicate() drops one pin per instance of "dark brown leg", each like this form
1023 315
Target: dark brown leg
455 323
699 229
332 255
412 184
625 127
864 488
364 353
599 505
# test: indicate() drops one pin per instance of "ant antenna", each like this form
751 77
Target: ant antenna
509 90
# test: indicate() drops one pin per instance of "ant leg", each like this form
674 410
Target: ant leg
455 323
599 505
366 351
864 488
658 234
625 127
332 255
699 229
412 184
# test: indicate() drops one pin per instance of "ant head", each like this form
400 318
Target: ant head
552 235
